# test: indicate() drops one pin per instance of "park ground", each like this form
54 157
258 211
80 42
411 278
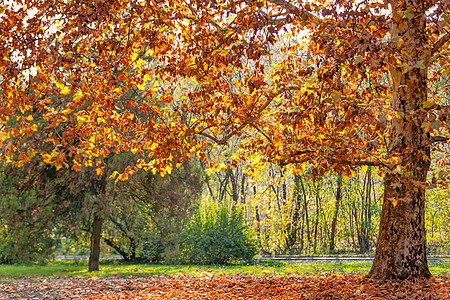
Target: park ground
260 280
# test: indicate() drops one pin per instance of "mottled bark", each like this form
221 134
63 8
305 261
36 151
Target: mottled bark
400 251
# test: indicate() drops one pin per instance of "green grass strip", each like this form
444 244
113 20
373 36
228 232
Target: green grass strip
269 267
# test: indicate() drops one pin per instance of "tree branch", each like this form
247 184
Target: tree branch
436 56
117 248
357 163
439 139
291 8
255 115
440 42
262 132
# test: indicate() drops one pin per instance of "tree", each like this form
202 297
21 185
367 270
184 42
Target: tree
157 211
333 85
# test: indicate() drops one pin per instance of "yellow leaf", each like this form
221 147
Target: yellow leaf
4 136
65 90
147 77
153 146
216 168
427 104
134 56
149 52
394 202
141 86
138 63
224 52
122 177
66 111
99 171
78 95
47 158
81 120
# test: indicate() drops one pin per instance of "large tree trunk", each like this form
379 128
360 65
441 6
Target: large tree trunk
400 251
94 256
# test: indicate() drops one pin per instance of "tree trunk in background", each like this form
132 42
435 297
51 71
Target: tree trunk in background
336 212
305 206
365 218
292 227
400 251
317 216
234 186
94 256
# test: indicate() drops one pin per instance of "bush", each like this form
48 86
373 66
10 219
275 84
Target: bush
217 235
152 251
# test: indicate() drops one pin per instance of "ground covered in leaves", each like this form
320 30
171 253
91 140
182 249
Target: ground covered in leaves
210 286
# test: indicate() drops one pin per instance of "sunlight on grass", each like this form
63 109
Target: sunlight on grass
275 268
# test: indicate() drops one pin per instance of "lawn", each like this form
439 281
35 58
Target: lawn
258 267
266 279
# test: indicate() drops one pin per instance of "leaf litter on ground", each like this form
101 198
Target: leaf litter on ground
216 286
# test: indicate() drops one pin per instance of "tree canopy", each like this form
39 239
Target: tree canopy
328 84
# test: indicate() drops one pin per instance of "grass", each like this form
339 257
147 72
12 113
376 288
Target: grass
269 267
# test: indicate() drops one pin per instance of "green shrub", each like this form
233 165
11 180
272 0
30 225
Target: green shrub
152 251
217 235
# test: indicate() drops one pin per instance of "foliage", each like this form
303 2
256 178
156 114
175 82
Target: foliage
217 234
42 207
325 85
275 200
152 251
158 208
25 224
25 244
438 221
